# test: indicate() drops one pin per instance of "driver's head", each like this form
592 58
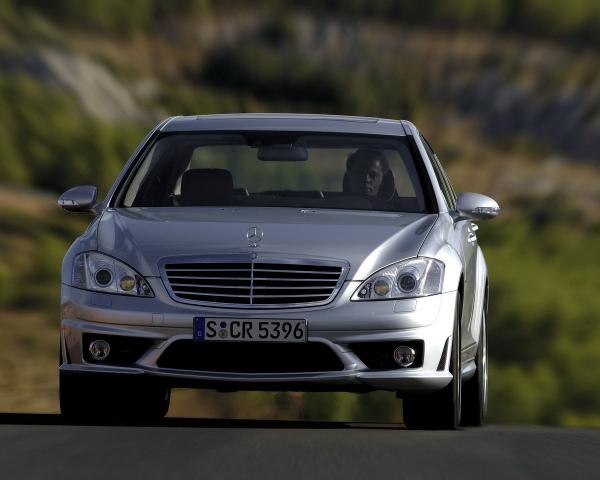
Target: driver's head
366 169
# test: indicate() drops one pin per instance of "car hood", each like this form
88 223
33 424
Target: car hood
368 241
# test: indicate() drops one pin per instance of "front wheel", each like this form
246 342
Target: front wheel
439 410
107 399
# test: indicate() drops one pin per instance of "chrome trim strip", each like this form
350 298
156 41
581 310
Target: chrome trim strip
252 258
246 287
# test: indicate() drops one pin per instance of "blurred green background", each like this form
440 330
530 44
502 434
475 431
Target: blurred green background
507 91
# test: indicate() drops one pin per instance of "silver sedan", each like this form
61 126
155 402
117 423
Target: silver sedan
277 252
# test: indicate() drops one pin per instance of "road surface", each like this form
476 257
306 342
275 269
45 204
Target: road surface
46 447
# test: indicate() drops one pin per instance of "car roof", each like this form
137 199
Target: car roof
296 122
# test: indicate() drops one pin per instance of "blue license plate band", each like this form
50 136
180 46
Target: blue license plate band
199 323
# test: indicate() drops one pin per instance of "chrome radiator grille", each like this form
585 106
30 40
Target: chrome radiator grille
253 283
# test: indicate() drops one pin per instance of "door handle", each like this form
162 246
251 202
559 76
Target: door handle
474 227
472 238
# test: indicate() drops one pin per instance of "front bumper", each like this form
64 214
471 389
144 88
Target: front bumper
337 325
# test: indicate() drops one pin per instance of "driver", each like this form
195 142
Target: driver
365 170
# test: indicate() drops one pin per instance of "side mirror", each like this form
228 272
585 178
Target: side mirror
474 206
79 199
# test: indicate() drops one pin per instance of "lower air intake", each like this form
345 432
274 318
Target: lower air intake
250 357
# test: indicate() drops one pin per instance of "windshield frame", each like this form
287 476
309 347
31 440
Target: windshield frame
430 204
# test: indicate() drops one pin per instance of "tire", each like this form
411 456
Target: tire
155 401
71 397
475 390
116 399
439 410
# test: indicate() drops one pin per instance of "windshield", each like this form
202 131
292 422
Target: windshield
357 172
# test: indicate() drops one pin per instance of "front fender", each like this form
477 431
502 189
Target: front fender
480 295
438 245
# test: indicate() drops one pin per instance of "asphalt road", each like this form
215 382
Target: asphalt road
45 447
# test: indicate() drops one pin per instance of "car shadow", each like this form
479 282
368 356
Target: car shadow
182 422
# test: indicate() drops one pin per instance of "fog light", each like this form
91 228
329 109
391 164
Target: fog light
404 356
99 350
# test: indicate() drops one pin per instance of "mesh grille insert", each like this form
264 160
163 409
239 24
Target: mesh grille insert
240 357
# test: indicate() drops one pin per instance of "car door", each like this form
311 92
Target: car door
464 240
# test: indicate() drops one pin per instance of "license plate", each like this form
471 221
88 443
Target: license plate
249 330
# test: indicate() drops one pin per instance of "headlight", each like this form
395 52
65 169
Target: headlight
417 277
95 271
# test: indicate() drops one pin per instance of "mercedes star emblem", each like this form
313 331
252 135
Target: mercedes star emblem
254 236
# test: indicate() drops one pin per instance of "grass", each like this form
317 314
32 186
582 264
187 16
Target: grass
28 362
